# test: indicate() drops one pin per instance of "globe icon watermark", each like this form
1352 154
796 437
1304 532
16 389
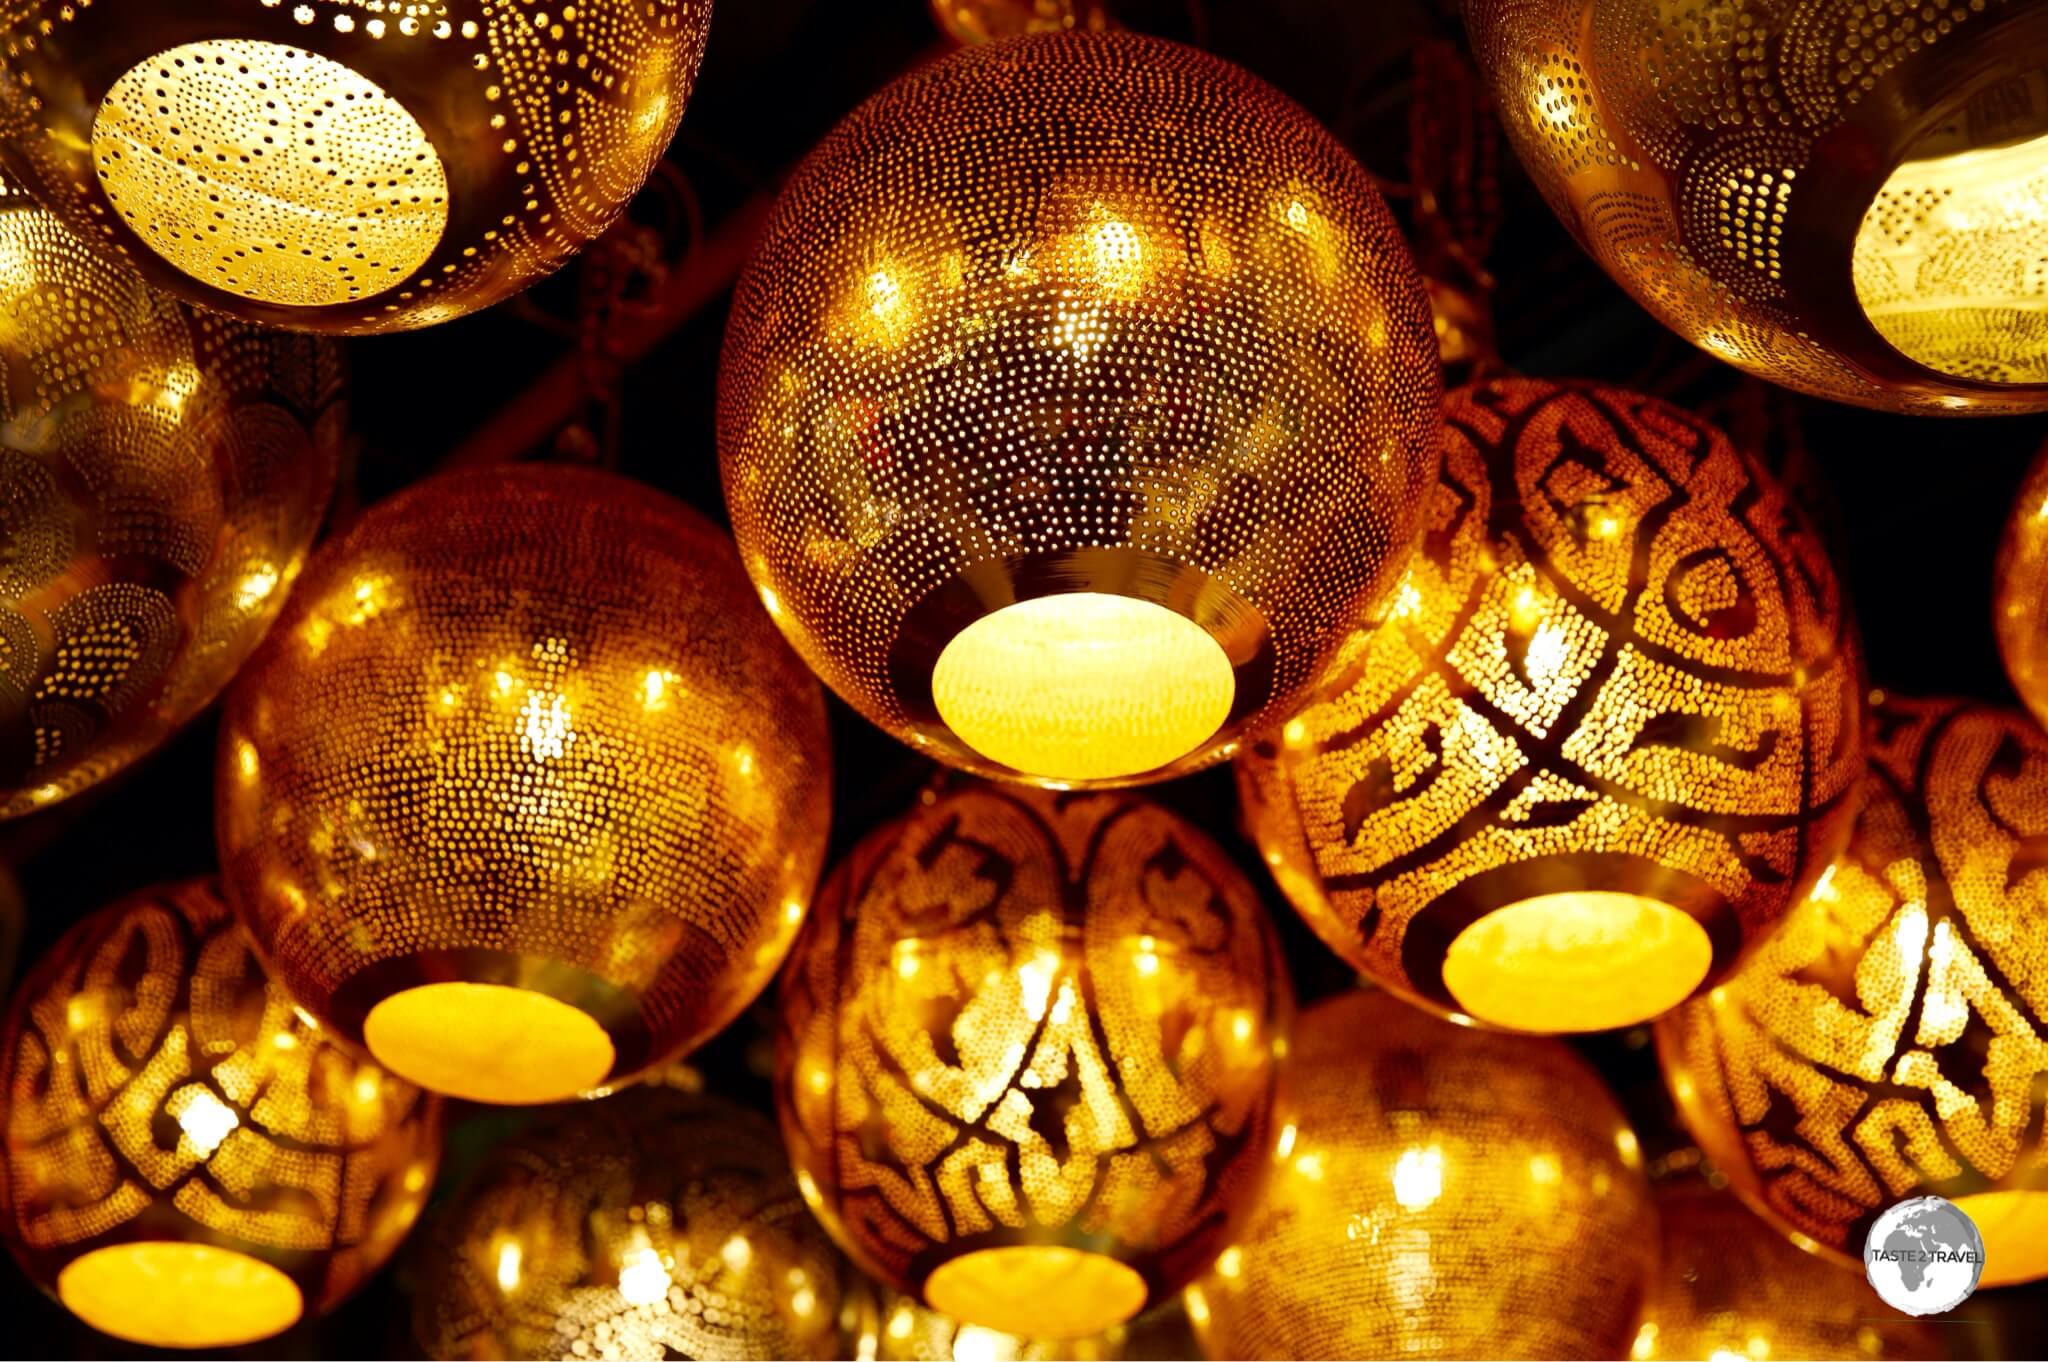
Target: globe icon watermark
1924 1256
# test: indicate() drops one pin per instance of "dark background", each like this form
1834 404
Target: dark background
1914 506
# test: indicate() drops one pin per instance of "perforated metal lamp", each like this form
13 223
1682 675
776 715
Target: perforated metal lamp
1080 393
342 165
1845 198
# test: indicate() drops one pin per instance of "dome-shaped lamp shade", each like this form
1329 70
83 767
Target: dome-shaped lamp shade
1843 198
1443 1193
188 1163
162 473
1886 1043
2020 608
655 1224
1728 1286
1608 730
525 794
342 165
1080 393
1029 1056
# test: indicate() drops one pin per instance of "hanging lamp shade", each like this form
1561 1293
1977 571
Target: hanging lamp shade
1607 733
2020 605
1443 1193
987 21
1887 1043
654 1224
162 473
188 1163
342 165
1028 1056
1728 1286
1839 197
525 794
1079 393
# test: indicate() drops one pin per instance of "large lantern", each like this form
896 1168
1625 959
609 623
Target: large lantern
162 473
1888 1041
1079 395
1845 198
1607 734
1444 1193
525 794
1029 1056
342 165
652 1225
188 1163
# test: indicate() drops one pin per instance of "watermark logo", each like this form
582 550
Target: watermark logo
1924 1256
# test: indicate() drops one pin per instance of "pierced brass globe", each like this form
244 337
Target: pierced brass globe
2020 591
1607 733
655 1224
187 1162
1029 1051
1891 1040
162 474
888 1326
525 795
1729 1287
342 165
1080 393
1845 198
1443 1193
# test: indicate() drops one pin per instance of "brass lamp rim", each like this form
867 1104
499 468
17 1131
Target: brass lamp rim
982 588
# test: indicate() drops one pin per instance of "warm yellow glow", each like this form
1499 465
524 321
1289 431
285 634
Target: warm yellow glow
205 1121
737 1253
1037 1291
1083 686
643 1279
1588 960
1419 1178
166 1295
343 211
2015 1229
489 1042
510 1256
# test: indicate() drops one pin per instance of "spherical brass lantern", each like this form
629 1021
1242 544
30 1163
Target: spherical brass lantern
987 21
525 794
655 1224
188 1163
1729 1287
1080 393
342 165
1842 196
1444 1192
1608 731
2020 595
1029 1056
1890 1040
162 473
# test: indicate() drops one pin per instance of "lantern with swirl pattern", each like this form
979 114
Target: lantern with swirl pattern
1606 735
1029 1054
188 1163
342 165
1892 1040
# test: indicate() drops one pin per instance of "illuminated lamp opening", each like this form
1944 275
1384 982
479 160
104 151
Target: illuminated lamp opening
1585 960
1083 686
2015 1229
1036 1290
270 172
170 1295
489 1043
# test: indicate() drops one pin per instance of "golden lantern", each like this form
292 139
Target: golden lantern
342 165
525 795
2020 610
987 21
162 473
1445 1192
1079 394
1728 1288
1029 1054
1888 1042
188 1163
891 1327
1608 731
655 1224
1842 198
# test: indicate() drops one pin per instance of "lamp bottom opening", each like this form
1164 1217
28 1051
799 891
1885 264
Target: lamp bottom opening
1586 960
2015 1230
1036 1290
489 1043
169 1295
